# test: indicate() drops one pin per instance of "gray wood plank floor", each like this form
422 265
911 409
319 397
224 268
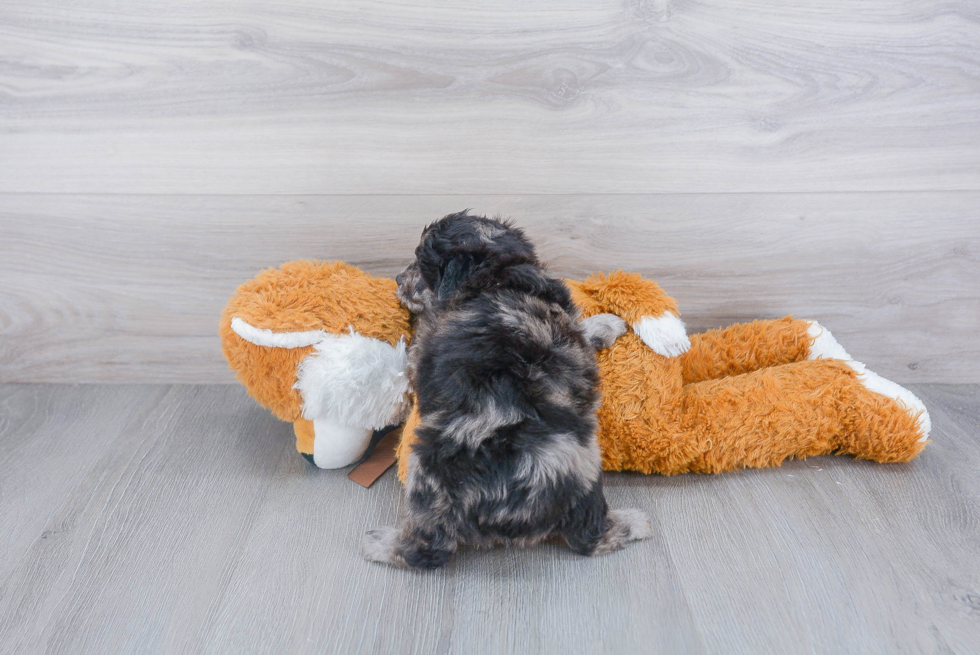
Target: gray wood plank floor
179 519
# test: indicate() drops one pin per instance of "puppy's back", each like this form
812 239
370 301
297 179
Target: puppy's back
505 384
506 392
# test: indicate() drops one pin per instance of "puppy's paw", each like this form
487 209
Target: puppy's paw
381 545
665 334
602 330
625 525
636 523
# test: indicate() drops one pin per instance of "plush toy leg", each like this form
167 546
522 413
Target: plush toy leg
330 445
405 444
817 407
884 421
746 347
824 346
304 438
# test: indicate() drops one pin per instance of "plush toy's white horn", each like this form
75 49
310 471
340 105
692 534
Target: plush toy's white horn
270 339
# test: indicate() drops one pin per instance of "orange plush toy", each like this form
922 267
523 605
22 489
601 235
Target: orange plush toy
323 345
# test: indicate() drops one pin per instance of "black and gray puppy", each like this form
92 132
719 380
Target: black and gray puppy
505 380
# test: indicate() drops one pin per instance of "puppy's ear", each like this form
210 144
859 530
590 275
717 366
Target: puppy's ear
455 271
458 246
448 255
430 260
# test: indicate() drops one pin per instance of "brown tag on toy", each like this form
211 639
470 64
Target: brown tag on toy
380 460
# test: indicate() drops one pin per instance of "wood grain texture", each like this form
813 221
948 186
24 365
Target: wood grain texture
302 96
129 288
42 459
859 528
139 549
195 527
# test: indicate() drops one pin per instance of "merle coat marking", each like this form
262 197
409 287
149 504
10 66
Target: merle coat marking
505 381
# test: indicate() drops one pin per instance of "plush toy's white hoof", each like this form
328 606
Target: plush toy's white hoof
825 346
665 334
336 445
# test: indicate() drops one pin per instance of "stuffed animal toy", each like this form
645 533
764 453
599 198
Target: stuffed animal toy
750 395
323 345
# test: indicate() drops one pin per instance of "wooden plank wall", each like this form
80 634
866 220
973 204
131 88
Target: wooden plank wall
755 157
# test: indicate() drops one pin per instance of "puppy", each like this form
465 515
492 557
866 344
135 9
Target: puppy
600 330
505 381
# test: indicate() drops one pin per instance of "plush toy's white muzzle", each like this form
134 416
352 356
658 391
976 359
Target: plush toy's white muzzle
350 384
336 445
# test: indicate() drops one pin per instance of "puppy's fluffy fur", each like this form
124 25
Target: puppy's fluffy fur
505 380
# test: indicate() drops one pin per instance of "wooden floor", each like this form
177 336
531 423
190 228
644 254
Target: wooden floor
152 518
